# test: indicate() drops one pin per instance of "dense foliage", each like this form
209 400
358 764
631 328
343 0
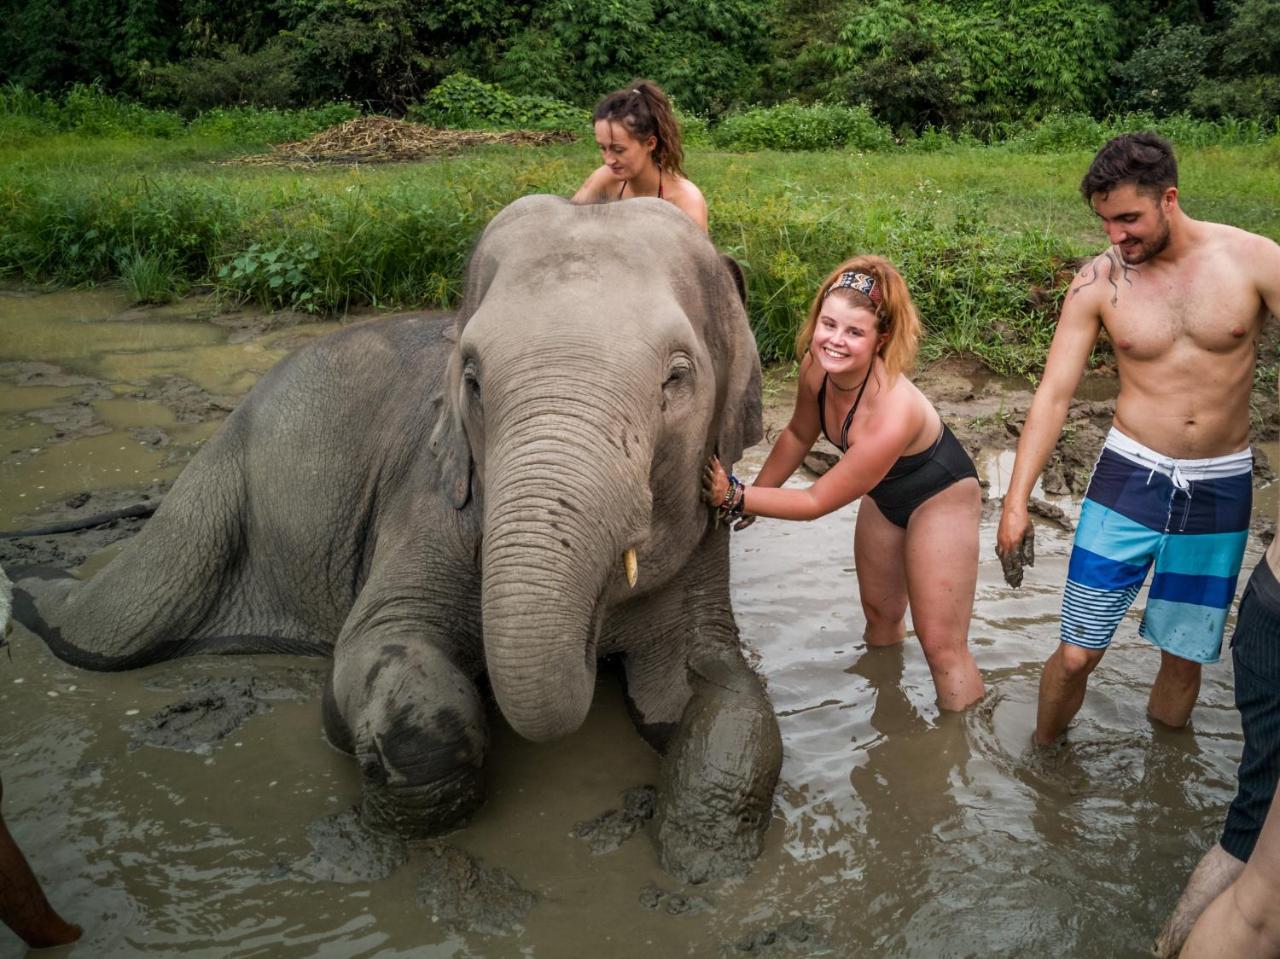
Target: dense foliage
94 188
974 65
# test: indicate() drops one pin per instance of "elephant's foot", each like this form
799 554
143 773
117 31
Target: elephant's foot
715 795
417 727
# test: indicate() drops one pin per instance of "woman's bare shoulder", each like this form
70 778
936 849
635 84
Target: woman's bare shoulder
596 187
684 193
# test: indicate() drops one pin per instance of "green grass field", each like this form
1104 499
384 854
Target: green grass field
986 235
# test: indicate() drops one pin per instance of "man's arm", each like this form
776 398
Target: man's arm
1267 260
1077 331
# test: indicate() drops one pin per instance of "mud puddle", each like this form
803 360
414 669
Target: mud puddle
898 831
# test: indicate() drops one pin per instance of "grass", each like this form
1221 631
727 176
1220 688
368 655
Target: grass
987 236
147 277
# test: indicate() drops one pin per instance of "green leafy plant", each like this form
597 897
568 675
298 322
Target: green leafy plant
791 126
463 102
273 276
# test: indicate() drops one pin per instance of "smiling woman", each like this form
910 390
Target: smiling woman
639 139
916 540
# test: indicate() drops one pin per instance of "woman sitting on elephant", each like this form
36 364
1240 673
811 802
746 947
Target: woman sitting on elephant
639 138
916 539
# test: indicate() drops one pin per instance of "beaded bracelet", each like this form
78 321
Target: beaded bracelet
731 506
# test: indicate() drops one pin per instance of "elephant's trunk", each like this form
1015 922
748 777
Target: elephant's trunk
558 523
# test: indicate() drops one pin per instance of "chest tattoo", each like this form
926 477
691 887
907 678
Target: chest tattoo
1116 270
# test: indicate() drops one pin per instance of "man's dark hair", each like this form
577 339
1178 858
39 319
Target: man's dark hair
1143 159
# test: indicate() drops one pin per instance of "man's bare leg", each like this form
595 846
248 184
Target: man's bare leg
1216 871
1062 687
1173 695
1243 922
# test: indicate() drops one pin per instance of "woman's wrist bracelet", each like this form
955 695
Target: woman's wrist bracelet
734 496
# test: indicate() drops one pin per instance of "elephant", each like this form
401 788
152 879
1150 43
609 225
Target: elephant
510 493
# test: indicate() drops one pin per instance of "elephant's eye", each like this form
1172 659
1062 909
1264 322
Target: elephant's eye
471 377
678 374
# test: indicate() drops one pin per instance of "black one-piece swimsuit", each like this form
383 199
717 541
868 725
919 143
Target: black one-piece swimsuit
911 479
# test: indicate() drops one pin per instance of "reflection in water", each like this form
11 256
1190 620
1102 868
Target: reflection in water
900 831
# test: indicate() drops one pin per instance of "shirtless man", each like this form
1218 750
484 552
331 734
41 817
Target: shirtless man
1183 302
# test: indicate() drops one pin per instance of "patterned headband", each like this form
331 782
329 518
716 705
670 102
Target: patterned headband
860 283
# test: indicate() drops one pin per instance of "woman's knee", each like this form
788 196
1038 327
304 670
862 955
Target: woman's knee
884 611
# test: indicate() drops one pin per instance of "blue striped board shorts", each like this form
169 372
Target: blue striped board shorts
1188 518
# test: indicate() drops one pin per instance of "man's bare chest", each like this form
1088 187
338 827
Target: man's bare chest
1150 315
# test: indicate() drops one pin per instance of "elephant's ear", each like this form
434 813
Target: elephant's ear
448 441
741 417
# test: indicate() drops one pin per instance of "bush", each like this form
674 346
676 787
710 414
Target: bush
953 64
92 112
1167 65
1063 132
791 126
247 125
463 102
1256 97
265 78
84 109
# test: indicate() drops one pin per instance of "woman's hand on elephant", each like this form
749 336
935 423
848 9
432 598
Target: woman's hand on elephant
715 483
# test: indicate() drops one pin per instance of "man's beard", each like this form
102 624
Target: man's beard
1149 248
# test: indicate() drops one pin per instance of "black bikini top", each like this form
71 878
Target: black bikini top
625 182
843 445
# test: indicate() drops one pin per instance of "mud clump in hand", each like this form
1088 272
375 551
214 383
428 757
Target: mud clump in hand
1012 562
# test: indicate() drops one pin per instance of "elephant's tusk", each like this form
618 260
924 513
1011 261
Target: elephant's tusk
629 561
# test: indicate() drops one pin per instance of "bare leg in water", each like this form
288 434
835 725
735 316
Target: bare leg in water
23 906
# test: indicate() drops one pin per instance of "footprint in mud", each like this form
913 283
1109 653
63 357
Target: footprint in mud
609 830
212 709
344 850
796 938
655 898
470 897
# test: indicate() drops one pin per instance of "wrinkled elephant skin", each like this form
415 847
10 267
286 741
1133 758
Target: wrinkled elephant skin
429 499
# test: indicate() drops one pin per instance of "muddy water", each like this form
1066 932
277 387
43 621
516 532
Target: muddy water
898 831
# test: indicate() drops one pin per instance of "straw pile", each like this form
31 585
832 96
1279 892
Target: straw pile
383 140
